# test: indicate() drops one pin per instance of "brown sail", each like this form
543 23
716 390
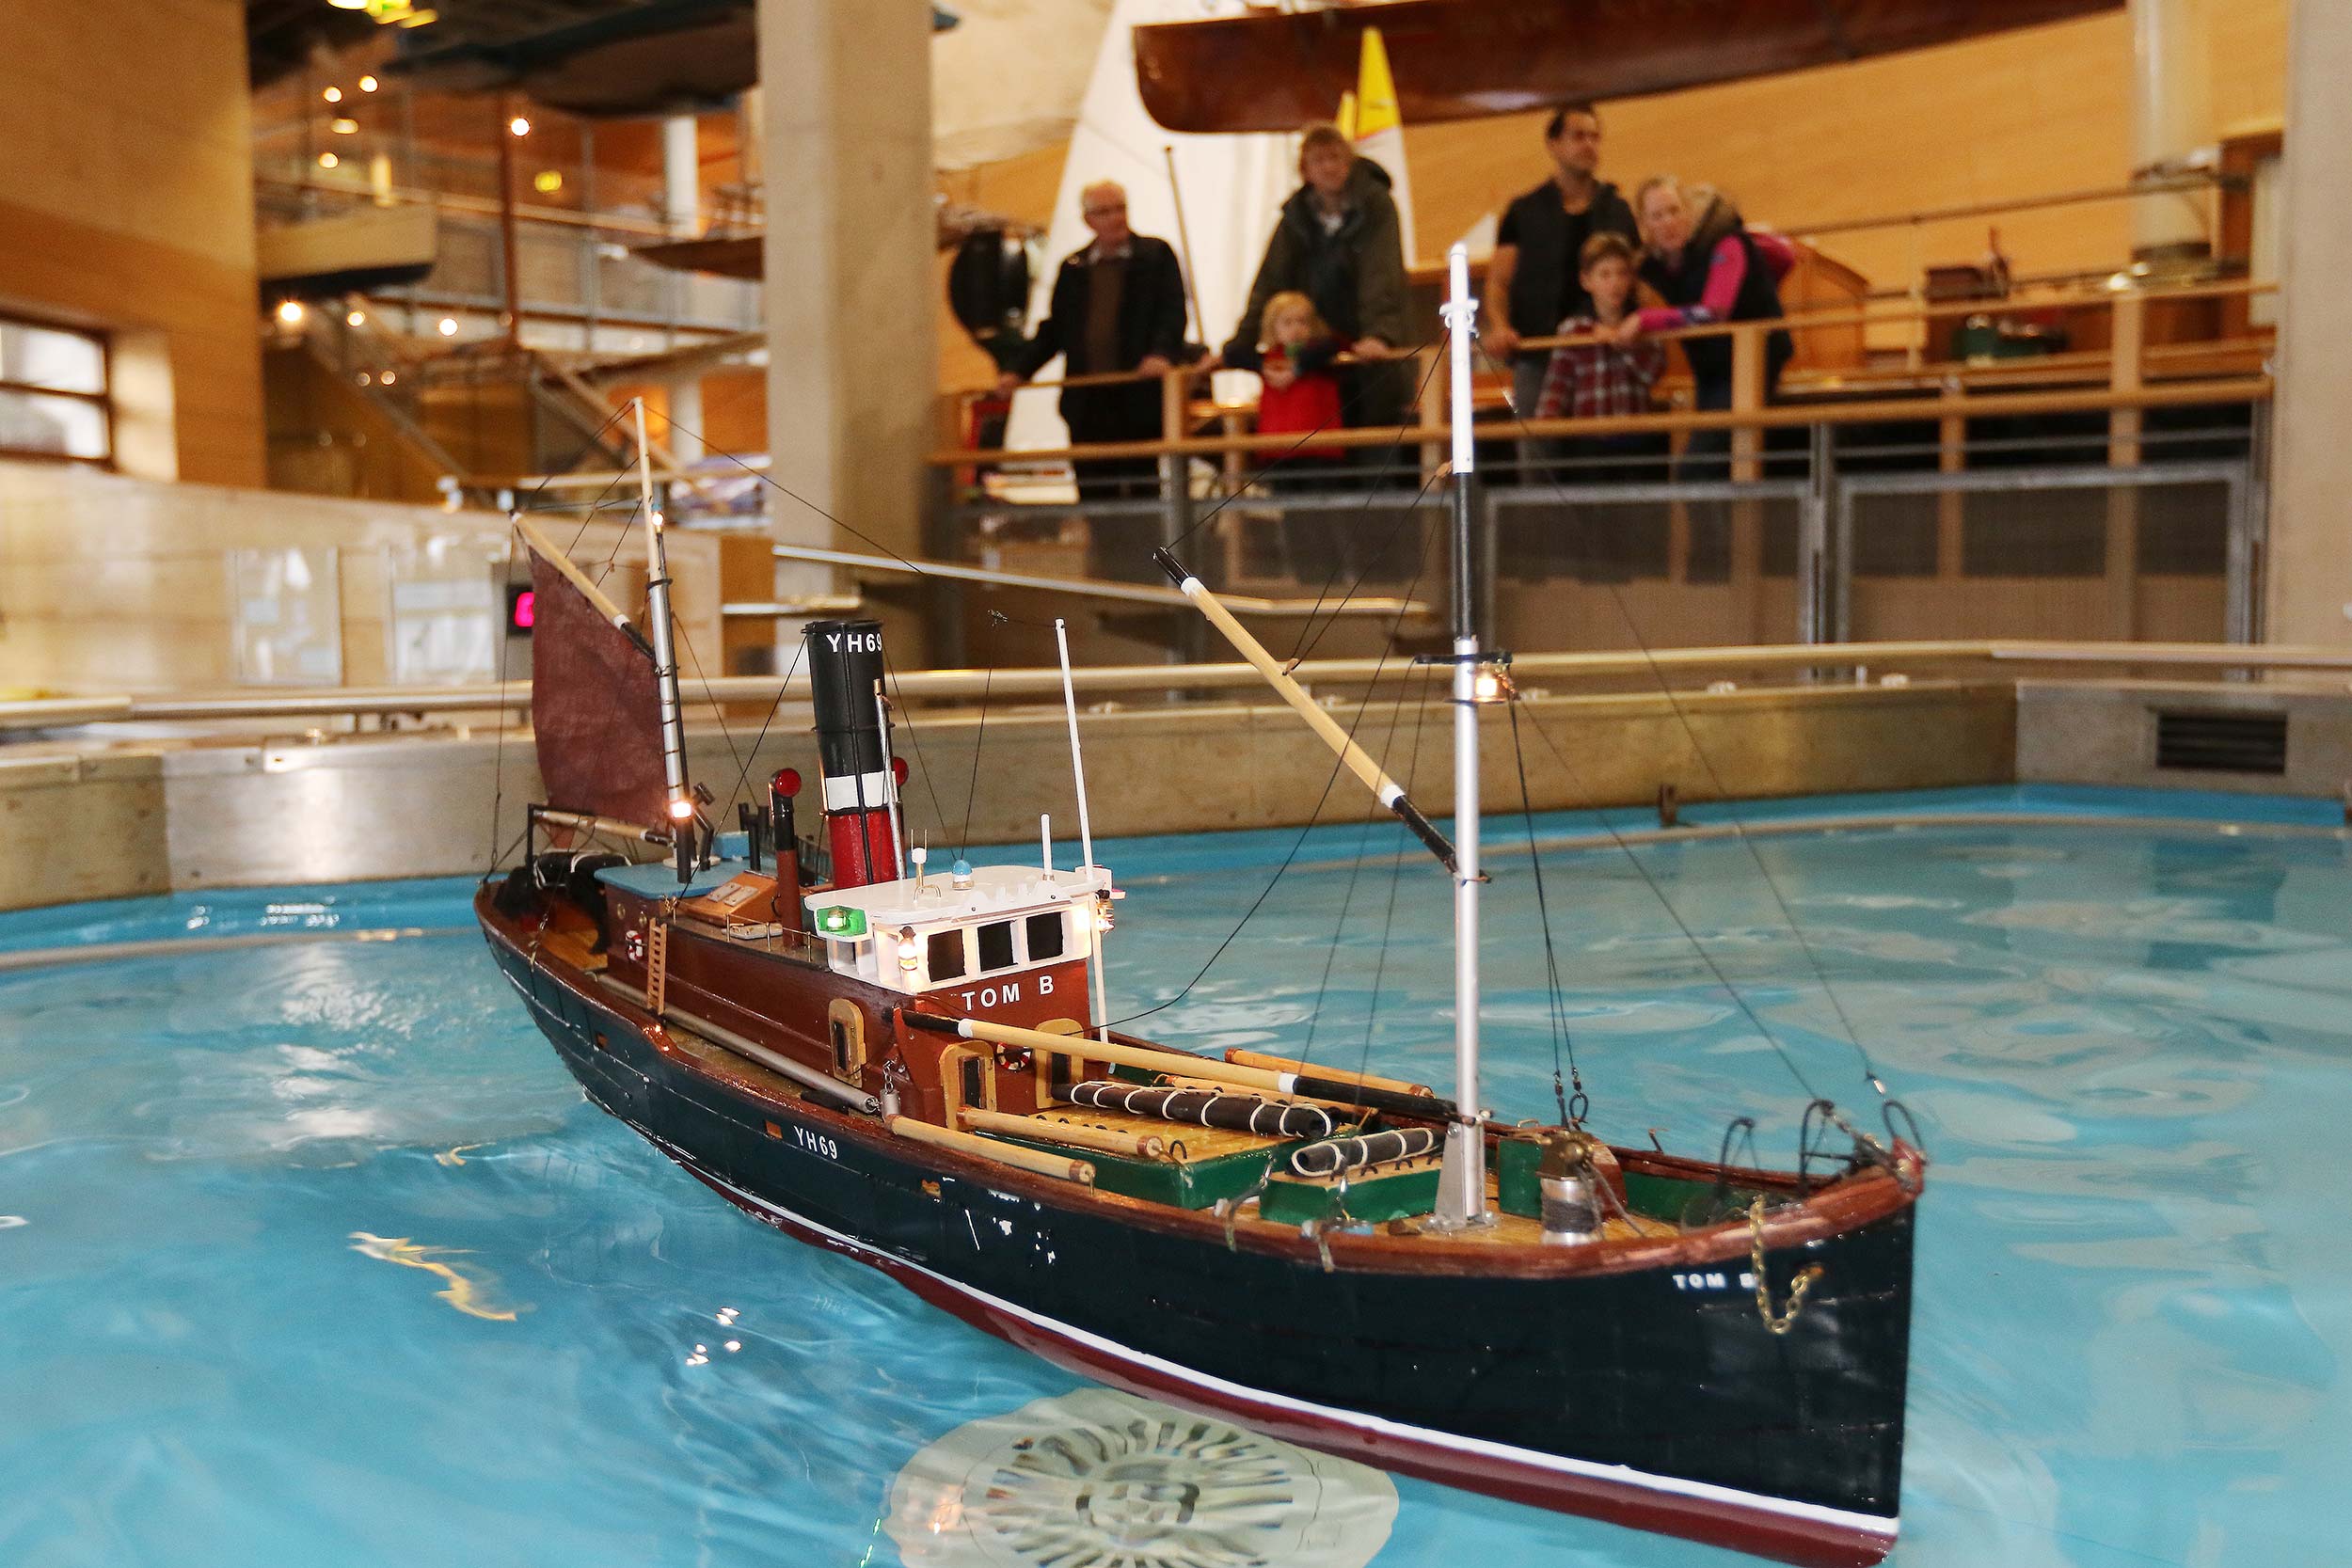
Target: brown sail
594 706
1465 59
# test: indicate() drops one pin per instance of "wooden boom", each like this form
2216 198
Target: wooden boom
1263 1079
1359 761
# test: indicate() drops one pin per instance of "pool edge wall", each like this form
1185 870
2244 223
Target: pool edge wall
102 821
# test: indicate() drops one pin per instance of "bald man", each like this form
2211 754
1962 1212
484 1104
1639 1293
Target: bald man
1118 305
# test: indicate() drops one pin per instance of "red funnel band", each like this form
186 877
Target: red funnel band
860 841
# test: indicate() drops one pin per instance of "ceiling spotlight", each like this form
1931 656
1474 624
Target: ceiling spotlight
547 181
344 127
328 160
368 84
290 311
390 377
449 327
520 126
333 95
357 318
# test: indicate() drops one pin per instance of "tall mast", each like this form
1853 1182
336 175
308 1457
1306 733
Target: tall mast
1462 1182
664 646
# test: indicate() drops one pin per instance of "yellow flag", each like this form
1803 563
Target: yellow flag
1375 92
1374 122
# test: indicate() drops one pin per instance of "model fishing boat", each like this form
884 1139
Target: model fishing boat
912 1065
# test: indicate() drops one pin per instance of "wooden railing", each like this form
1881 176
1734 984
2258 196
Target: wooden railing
2122 383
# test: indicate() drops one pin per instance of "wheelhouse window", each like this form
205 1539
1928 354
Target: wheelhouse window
54 393
947 955
1045 936
997 946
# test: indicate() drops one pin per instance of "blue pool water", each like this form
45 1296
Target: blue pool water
312 1254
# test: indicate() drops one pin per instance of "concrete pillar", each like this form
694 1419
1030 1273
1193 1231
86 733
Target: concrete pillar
749 131
681 176
2308 572
852 353
683 435
2171 119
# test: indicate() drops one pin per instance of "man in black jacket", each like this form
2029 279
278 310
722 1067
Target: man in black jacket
1118 305
1534 273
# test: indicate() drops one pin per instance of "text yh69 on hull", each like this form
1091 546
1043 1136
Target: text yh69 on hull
916 1068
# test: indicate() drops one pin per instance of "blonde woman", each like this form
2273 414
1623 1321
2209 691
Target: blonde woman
1707 266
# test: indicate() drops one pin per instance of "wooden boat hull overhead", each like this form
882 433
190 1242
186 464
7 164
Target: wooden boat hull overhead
1648 1393
1467 59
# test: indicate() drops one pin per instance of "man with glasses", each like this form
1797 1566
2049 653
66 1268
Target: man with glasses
1117 305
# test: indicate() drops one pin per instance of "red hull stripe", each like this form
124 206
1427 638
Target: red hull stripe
1797 1532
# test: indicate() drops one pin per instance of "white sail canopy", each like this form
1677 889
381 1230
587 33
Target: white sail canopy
1232 188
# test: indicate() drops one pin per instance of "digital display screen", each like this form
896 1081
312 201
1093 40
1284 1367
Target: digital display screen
523 607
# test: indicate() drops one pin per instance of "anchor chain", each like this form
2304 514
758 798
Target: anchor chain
1779 1322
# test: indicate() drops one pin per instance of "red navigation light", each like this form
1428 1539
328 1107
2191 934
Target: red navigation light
786 782
898 770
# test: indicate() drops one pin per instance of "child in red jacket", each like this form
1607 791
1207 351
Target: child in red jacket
1301 395
1302 390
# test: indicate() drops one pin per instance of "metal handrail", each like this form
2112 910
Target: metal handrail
959 686
1353 605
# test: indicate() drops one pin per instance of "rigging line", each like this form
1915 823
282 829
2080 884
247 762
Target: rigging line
498 757
1551 954
1396 868
1338 931
506 585
906 716
783 490
1254 904
1363 840
1387 459
619 538
610 485
1282 457
773 708
1689 732
1697 946
588 515
972 788
1307 646
1292 450
742 765
786 491
1388 645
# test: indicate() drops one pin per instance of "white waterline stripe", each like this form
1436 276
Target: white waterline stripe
1875 1525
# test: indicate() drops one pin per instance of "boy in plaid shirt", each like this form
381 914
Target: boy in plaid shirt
1592 380
1607 377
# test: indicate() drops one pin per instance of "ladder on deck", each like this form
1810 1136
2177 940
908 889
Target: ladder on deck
656 966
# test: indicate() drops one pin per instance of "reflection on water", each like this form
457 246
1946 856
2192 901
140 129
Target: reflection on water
2130 1048
474 1297
1104 1478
